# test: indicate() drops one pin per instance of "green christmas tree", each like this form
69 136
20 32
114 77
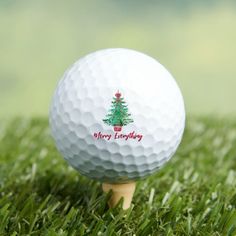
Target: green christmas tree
118 115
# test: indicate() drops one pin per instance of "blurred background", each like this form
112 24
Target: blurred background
195 40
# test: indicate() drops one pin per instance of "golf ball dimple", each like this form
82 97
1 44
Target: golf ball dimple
117 115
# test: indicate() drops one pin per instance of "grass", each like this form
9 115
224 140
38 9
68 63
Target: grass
194 194
195 40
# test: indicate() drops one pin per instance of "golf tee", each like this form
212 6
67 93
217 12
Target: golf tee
125 191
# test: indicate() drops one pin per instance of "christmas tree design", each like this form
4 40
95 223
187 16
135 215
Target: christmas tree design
118 115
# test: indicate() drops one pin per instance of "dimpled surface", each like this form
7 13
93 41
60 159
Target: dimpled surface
83 98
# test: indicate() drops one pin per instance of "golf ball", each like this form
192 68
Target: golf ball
117 115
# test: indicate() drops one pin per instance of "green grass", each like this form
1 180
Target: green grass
195 40
194 194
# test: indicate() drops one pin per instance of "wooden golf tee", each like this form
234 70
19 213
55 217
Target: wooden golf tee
118 191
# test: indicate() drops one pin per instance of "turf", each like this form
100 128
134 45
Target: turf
194 40
194 194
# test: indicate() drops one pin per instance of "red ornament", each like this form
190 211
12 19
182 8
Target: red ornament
118 94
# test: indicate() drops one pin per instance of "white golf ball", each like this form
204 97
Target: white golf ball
117 115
